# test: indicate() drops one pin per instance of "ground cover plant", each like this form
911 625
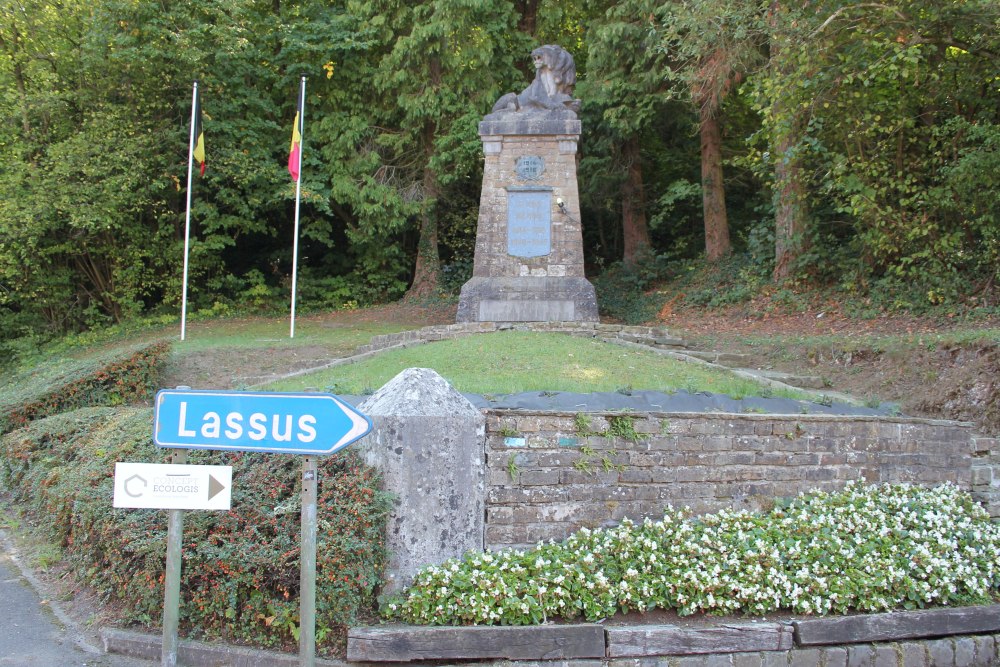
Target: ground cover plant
865 548
515 361
121 376
240 576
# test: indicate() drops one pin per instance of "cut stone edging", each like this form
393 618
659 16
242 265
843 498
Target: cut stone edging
945 637
801 638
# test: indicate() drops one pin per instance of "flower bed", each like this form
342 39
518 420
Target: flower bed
871 548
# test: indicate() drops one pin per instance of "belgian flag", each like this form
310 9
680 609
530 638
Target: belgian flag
295 152
199 136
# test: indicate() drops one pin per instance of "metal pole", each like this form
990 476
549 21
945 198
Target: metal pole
187 215
172 576
307 565
298 197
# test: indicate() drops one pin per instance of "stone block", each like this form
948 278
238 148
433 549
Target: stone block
898 625
809 657
886 656
747 660
835 656
913 653
986 651
860 656
965 652
940 653
421 426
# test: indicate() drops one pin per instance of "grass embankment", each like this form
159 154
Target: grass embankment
240 578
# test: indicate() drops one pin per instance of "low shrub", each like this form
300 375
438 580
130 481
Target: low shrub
119 378
865 548
240 576
625 291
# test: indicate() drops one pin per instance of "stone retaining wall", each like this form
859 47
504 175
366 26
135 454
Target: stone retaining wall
986 474
942 637
549 474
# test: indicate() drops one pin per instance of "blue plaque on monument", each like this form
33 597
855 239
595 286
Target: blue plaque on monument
529 222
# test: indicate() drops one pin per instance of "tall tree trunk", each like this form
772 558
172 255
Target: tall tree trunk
635 230
713 190
790 206
528 12
427 273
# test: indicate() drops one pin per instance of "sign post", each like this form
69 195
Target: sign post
310 424
172 577
307 564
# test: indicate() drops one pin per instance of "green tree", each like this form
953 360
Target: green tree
436 68
626 89
716 44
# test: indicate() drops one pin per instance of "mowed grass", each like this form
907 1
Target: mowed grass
514 361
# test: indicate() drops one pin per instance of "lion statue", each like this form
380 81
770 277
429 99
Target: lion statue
552 88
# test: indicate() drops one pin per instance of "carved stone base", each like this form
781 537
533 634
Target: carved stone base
527 299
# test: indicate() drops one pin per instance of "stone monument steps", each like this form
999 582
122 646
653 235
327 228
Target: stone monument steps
801 381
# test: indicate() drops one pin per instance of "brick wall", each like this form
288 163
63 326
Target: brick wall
550 474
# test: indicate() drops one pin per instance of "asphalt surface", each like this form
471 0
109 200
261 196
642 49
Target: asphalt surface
35 632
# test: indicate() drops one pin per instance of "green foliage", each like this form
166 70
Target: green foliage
625 291
122 377
887 112
240 576
623 426
864 548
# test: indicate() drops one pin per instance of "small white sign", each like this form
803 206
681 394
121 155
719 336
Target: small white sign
173 487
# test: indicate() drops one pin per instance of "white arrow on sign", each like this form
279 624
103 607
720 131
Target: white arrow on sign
173 487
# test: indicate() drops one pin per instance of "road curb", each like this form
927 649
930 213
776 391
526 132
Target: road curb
200 654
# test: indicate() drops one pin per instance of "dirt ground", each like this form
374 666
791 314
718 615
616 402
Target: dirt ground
957 379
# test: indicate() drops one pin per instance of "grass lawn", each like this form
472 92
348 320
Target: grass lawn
514 361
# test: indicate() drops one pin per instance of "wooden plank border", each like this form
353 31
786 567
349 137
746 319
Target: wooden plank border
408 643
652 640
896 625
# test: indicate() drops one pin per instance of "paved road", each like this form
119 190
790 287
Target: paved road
34 633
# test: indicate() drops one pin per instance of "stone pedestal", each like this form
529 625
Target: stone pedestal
427 440
529 243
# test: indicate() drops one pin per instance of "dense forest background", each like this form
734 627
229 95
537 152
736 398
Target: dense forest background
850 146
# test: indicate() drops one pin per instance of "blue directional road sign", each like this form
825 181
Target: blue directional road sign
281 423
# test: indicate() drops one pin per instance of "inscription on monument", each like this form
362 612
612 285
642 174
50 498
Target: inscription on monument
529 222
529 167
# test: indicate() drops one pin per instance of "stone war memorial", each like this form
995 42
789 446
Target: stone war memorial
529 245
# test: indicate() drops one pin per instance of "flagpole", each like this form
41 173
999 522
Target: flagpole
298 191
187 216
